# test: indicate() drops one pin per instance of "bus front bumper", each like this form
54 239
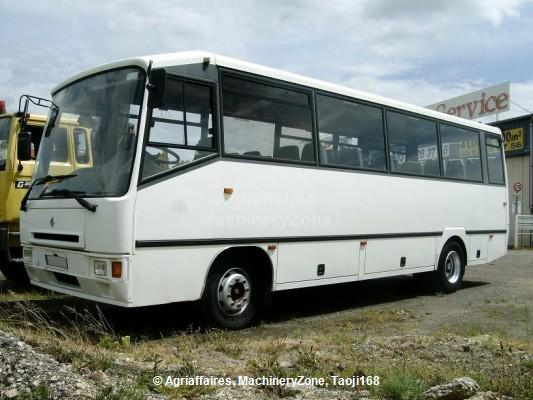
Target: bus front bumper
89 276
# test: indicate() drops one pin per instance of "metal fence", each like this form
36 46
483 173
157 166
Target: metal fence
523 231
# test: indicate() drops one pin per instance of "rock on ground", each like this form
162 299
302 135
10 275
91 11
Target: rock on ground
458 389
22 369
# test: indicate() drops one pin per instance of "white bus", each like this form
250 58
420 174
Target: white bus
223 181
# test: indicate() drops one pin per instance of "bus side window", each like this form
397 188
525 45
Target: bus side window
460 153
495 160
267 121
351 133
417 138
182 130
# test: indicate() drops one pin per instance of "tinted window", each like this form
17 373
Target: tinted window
413 144
182 130
260 89
5 125
262 120
59 145
460 153
351 134
81 147
495 160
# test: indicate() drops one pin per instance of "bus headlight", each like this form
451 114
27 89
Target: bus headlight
27 256
100 267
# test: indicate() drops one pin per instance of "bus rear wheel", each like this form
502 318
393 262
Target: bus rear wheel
230 299
450 270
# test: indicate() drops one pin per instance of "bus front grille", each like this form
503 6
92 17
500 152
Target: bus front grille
57 237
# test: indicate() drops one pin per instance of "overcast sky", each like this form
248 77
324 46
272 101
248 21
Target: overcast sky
419 51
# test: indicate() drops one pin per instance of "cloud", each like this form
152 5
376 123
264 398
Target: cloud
416 51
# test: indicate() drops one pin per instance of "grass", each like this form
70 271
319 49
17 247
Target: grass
12 293
403 385
40 392
121 393
344 345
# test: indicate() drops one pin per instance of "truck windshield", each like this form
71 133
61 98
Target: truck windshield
97 123
5 124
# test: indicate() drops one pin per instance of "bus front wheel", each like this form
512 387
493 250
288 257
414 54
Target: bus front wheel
230 299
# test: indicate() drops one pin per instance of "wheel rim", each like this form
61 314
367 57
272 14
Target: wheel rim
234 291
452 266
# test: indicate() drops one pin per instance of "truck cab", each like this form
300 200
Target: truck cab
71 151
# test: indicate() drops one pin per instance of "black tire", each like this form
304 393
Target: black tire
14 272
225 281
449 274
450 271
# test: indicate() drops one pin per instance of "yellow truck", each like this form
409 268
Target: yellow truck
20 136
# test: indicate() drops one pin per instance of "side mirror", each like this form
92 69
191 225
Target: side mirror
24 146
157 88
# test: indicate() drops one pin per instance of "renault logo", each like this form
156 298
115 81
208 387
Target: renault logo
52 222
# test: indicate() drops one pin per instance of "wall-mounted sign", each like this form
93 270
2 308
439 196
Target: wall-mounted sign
513 139
475 105
517 186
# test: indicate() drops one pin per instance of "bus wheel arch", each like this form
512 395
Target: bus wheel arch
239 281
461 243
450 268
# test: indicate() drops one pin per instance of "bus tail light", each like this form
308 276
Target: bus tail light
116 269
2 107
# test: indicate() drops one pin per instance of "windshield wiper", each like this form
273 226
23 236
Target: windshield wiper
42 181
73 194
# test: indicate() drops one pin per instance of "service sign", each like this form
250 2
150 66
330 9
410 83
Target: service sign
475 105
513 139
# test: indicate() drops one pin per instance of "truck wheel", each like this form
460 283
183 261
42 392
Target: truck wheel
14 272
449 274
230 298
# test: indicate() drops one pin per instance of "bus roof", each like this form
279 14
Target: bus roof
198 56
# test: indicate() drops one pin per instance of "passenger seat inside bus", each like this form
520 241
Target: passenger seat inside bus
431 167
308 152
287 153
455 169
412 167
376 161
350 156
473 168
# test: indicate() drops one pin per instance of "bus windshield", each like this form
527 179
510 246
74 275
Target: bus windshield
107 106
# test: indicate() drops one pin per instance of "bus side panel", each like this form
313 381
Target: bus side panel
167 275
273 203
389 254
478 245
497 246
317 260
